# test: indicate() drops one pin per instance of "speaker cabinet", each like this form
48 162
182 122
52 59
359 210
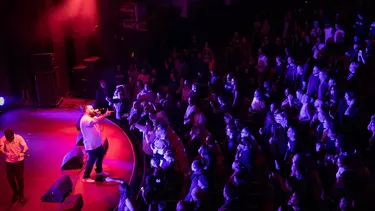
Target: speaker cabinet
59 190
46 88
82 82
93 65
73 160
42 62
72 203
44 69
79 139
94 72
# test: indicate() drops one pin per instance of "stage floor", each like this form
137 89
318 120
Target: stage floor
50 134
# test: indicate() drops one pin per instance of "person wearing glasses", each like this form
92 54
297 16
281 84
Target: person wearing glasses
14 147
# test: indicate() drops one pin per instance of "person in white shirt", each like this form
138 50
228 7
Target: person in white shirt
148 136
339 34
318 49
146 94
14 147
185 90
258 104
160 115
92 140
315 31
118 101
305 114
190 110
144 76
329 32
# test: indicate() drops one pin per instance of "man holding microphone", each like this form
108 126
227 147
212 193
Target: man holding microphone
14 147
92 140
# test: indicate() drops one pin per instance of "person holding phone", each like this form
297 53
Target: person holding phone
14 147
92 140
361 57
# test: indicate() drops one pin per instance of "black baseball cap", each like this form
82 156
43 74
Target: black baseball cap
8 133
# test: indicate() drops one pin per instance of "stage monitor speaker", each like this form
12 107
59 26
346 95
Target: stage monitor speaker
59 190
46 88
42 62
79 139
72 203
73 160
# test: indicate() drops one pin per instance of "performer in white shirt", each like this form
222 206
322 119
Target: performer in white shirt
92 140
14 147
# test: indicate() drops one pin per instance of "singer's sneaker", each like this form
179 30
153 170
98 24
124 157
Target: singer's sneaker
88 180
22 199
14 198
103 174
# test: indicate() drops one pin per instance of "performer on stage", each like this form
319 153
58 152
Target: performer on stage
14 147
92 139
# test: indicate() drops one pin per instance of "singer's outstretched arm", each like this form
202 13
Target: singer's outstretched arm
96 119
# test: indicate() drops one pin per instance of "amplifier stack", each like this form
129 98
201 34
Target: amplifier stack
86 78
44 70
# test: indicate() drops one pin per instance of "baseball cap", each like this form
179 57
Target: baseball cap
8 133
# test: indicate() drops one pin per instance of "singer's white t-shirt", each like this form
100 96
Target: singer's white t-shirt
92 136
13 149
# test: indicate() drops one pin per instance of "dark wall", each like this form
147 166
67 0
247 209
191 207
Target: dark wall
20 17
28 32
208 18
5 89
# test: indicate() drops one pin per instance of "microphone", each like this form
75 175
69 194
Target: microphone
26 155
99 111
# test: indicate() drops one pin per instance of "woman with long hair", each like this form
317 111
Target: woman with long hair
126 198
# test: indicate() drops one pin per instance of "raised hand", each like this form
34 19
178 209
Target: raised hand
108 112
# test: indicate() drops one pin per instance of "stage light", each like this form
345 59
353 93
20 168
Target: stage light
2 101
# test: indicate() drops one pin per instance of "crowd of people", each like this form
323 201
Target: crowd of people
281 127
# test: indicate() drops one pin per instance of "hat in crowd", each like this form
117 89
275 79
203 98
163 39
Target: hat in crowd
8 133
169 153
197 165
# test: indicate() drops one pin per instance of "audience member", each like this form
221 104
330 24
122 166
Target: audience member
283 137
